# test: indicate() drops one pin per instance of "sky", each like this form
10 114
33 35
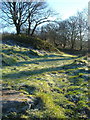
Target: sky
67 8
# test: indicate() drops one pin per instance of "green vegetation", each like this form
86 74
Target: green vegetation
26 40
56 84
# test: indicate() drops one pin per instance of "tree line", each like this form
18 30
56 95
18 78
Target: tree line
27 16
69 33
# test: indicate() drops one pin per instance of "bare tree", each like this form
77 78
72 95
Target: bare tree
63 32
38 13
68 33
14 13
28 14
82 27
49 32
73 31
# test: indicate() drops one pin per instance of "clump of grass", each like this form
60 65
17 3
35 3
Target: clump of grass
57 89
42 86
54 72
24 117
73 77
51 109
8 60
61 100
61 71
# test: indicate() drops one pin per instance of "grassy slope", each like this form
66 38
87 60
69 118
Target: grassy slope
57 83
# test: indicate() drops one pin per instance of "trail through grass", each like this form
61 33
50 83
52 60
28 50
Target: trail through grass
58 83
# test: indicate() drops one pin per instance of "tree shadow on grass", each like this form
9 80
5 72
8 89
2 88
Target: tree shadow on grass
28 53
32 54
12 106
40 71
12 110
44 60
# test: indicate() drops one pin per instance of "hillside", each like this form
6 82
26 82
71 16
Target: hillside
41 85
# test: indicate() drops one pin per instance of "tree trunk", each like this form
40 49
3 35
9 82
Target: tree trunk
28 30
80 41
33 30
18 29
72 45
81 45
64 44
29 26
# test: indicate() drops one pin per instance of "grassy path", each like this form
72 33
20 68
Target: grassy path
56 83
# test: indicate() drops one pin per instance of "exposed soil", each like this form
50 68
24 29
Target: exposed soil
14 101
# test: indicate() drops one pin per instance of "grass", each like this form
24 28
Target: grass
26 41
56 82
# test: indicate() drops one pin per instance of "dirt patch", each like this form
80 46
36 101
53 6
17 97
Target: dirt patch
15 101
